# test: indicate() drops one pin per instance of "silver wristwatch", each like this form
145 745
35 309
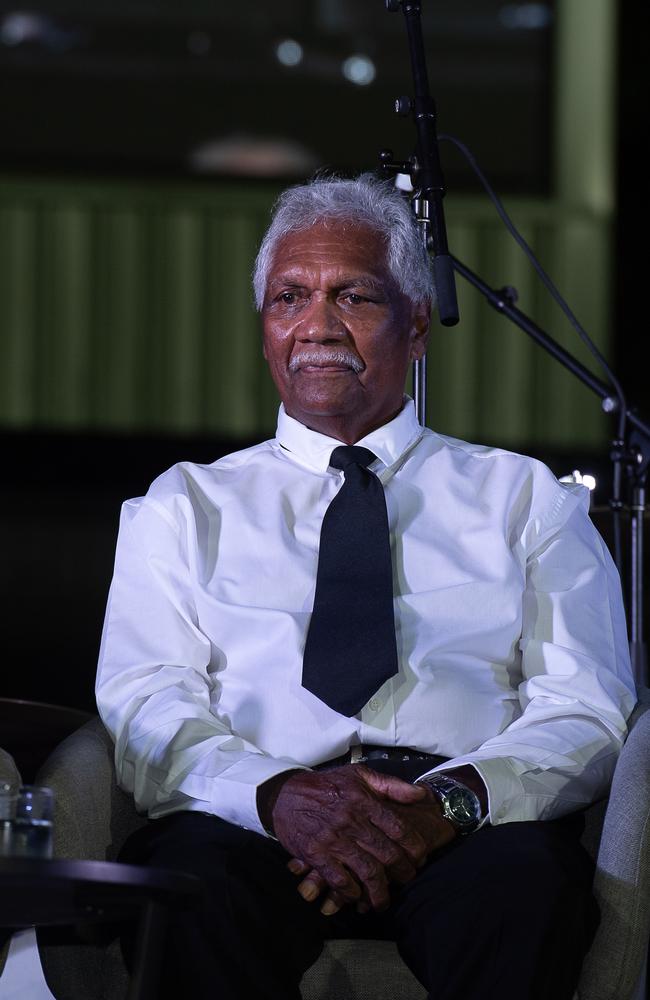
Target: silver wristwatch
460 805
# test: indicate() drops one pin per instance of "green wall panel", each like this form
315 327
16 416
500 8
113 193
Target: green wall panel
18 390
129 306
488 379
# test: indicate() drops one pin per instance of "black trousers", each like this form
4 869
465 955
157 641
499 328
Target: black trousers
503 914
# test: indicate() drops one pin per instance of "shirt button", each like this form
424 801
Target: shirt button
374 704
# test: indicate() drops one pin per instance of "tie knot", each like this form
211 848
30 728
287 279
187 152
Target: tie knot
351 454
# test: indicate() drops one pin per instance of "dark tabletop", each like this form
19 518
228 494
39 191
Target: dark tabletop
51 892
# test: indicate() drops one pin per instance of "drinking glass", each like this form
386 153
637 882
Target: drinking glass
26 821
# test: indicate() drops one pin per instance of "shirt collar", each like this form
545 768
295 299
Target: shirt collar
389 442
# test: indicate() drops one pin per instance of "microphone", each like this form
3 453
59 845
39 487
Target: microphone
426 172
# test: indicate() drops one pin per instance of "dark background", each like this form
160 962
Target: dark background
631 300
158 86
139 87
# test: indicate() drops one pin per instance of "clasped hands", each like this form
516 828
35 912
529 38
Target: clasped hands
352 832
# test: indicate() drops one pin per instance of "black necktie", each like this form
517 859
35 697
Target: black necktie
351 648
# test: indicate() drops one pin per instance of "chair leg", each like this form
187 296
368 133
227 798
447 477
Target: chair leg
148 949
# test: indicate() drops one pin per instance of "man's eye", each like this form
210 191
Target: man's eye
288 298
354 299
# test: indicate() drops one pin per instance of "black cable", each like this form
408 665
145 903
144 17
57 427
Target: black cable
619 444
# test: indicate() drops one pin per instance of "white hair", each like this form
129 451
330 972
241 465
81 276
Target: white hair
365 200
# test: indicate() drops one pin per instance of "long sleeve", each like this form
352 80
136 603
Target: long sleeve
172 749
511 635
577 688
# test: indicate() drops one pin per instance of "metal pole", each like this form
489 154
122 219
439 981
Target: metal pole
420 389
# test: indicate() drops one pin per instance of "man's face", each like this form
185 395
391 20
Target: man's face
338 334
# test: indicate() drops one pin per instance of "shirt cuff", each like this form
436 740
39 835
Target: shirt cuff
504 789
235 791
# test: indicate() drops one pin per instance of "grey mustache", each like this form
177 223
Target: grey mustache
326 357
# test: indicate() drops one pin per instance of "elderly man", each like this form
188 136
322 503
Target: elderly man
362 677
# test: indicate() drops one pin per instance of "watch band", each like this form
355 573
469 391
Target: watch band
460 805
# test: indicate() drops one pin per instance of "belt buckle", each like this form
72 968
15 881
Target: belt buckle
356 755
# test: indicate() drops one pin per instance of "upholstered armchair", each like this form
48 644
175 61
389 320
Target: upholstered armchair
93 818
8 776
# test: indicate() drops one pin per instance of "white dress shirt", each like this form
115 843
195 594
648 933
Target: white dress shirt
513 653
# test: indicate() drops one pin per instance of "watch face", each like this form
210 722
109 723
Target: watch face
463 806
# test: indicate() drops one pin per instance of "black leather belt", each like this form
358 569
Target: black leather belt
363 753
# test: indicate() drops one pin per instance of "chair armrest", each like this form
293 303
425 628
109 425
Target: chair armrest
8 771
622 880
8 776
92 816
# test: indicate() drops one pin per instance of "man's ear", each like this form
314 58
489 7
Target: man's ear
420 330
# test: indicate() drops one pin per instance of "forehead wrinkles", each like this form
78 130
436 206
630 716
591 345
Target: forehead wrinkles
350 251
327 276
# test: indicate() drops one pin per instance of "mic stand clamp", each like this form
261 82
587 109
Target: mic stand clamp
426 182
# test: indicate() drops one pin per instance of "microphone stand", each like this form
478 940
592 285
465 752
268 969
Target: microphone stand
428 184
631 452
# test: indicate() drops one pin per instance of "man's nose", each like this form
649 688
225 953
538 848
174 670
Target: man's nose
321 322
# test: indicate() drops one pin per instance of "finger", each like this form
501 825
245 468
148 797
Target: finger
355 874
338 878
331 905
297 867
396 827
415 847
402 871
393 788
371 876
312 887
392 856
